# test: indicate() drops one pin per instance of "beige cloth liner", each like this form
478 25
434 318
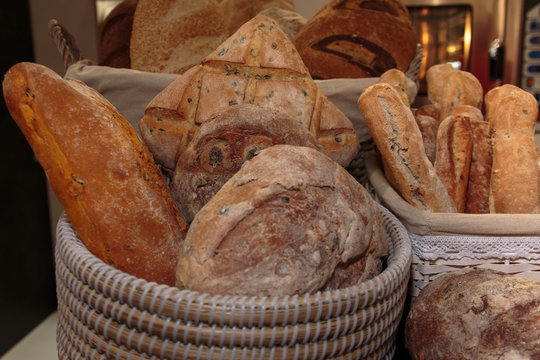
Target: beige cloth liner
425 223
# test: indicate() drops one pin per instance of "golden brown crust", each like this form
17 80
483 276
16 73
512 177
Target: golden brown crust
280 226
398 139
428 127
257 65
511 114
398 80
104 177
353 39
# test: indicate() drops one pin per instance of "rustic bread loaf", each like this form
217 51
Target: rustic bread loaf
173 35
511 114
357 39
289 21
239 12
104 177
222 145
435 81
257 65
428 127
475 314
453 157
399 141
398 80
115 36
280 226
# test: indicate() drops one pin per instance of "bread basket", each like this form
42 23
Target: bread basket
107 314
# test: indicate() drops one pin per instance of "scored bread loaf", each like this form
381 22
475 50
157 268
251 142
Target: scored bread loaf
357 39
257 65
453 157
222 145
399 141
290 221
104 177
512 114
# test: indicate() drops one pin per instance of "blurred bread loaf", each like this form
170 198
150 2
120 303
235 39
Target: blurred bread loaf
115 36
357 39
290 221
239 12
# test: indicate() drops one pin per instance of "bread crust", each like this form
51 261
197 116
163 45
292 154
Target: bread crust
104 177
115 36
398 139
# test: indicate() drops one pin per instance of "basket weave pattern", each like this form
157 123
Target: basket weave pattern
107 314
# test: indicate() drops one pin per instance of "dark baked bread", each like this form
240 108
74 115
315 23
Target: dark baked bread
281 226
357 39
223 144
475 314
115 36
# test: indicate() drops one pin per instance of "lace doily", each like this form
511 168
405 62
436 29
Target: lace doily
457 247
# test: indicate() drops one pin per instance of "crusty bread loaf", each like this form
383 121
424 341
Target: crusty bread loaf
428 127
239 12
511 114
357 39
115 35
453 157
104 177
222 145
398 139
477 199
435 81
280 226
171 36
257 65
289 21
475 314
431 109
398 80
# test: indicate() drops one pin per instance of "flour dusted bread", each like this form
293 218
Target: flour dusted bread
399 141
103 176
222 145
511 114
475 314
257 65
281 226
357 39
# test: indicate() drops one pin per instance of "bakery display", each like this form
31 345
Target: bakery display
357 39
475 314
104 177
290 221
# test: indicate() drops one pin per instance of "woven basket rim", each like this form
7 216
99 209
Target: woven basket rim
171 301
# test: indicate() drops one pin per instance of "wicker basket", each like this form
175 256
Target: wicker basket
107 314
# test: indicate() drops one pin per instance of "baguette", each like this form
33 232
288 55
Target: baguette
398 139
105 178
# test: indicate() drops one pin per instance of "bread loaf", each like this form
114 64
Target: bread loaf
398 80
435 81
453 157
511 114
289 21
357 39
428 127
104 177
222 145
399 141
280 226
257 65
475 314
115 36
239 12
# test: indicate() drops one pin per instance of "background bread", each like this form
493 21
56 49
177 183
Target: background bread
115 36
280 226
475 314
428 127
399 141
357 39
256 65
289 21
239 12
103 176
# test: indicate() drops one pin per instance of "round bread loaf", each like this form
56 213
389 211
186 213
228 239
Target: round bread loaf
115 36
357 39
475 314
290 221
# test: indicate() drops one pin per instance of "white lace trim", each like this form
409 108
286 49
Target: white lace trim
457 247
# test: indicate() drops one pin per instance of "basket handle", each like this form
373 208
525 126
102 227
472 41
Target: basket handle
65 43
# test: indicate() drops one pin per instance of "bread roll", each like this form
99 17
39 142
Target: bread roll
257 65
512 113
453 157
398 139
475 314
357 39
103 176
115 36
280 226
222 145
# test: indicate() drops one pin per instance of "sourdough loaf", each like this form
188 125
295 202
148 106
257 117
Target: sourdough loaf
104 177
257 65
281 226
399 141
475 314
357 39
